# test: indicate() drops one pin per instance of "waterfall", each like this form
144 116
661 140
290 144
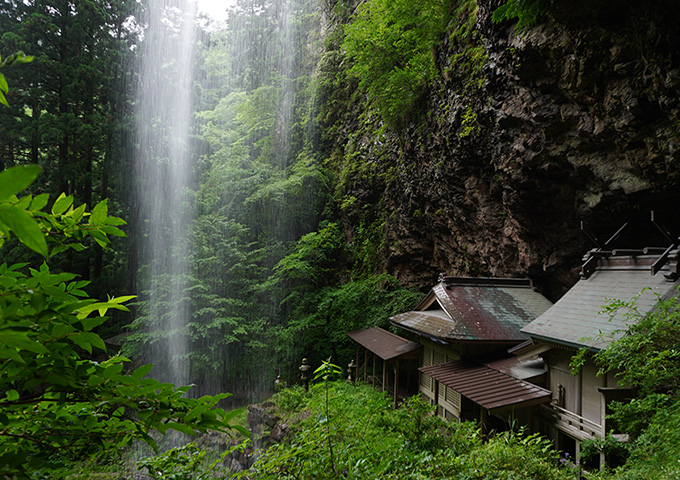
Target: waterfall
163 175
215 151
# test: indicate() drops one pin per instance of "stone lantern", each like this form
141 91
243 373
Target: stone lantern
304 368
351 366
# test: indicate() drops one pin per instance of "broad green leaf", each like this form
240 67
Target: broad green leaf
3 84
3 100
21 341
23 202
142 371
181 428
90 323
99 213
101 307
112 370
82 341
122 299
39 202
99 237
116 232
25 227
78 213
95 380
12 395
114 221
231 414
95 340
195 412
241 429
10 353
62 204
15 179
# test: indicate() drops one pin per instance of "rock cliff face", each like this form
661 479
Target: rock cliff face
576 120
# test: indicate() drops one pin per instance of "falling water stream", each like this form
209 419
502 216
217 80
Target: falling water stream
164 174
165 169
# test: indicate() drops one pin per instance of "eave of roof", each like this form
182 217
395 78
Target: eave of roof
475 309
485 386
577 319
384 344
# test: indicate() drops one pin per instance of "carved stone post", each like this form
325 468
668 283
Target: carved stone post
304 368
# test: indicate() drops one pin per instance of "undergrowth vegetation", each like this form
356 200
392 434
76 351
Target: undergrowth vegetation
370 440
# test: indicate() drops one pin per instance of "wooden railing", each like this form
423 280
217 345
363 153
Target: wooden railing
578 427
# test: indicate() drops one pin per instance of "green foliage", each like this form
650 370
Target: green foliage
321 319
372 441
510 456
326 372
469 123
188 462
314 257
18 57
634 415
57 402
527 13
591 449
417 421
644 357
391 44
290 399
655 454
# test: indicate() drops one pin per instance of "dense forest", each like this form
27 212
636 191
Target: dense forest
342 155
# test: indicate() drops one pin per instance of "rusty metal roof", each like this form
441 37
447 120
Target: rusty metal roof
493 390
576 319
475 309
384 344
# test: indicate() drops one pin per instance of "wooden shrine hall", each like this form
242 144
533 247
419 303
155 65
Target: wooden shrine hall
383 359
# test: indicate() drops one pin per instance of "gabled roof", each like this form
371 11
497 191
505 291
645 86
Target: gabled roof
576 319
486 386
384 344
475 309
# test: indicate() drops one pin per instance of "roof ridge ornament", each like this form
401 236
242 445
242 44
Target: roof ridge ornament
670 255
673 266
591 259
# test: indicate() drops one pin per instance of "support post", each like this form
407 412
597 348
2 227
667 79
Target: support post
396 383
375 366
384 381
365 364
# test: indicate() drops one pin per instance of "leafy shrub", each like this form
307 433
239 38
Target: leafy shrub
188 462
57 403
391 44
655 453
290 399
370 440
527 13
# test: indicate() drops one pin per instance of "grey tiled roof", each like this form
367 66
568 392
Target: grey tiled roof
469 309
576 319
